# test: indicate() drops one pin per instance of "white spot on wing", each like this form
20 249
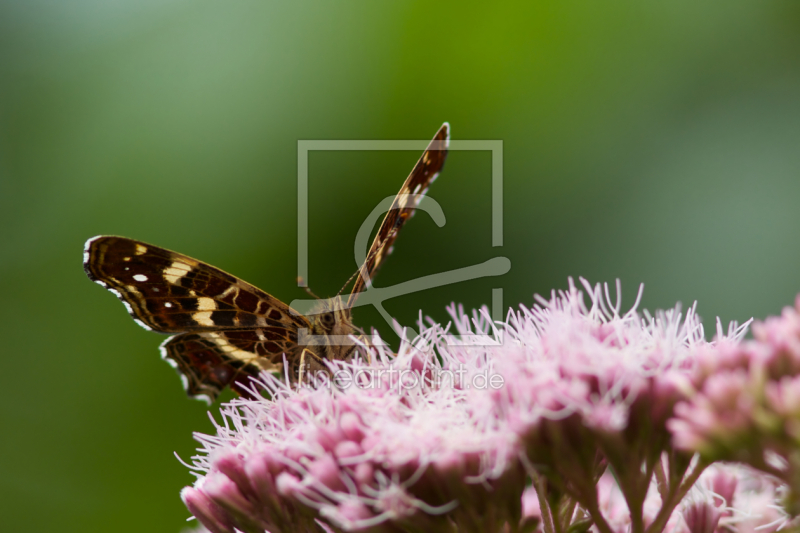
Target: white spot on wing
185 382
145 326
87 246
141 250
167 304
202 398
116 293
184 379
164 354
139 277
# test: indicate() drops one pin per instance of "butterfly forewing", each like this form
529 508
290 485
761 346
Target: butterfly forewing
416 185
172 293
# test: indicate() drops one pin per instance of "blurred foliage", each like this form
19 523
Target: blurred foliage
654 142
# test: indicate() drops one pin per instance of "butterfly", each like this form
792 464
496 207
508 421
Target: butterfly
225 330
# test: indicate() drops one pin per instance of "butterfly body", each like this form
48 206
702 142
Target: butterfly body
331 320
226 331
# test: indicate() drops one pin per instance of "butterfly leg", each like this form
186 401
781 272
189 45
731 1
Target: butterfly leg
303 364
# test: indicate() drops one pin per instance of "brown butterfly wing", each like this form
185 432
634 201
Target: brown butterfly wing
171 293
209 361
416 185
230 330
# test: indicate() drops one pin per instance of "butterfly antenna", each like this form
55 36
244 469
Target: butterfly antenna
348 282
301 281
366 261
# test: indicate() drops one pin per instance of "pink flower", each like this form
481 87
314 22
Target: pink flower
745 403
701 517
556 418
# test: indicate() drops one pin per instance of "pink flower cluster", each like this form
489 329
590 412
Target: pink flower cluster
563 420
744 403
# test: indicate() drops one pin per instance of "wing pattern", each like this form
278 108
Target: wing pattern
210 360
228 329
414 188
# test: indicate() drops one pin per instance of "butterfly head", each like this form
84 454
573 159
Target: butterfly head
331 317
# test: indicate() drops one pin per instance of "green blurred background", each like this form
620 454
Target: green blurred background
654 142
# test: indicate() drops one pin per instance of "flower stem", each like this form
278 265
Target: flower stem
676 493
597 516
567 512
661 478
541 492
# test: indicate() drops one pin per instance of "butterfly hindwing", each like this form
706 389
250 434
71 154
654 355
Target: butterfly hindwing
211 360
414 188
